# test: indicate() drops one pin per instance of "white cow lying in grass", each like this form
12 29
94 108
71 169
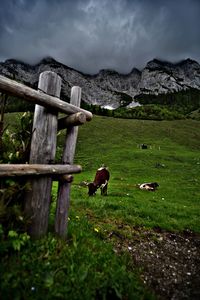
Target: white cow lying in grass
149 186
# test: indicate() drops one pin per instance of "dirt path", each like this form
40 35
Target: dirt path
170 262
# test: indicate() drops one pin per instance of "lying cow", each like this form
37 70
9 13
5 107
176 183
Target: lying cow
100 181
150 186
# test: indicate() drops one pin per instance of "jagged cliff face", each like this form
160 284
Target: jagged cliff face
163 77
109 88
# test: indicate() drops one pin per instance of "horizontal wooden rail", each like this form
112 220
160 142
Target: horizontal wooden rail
12 87
72 120
10 170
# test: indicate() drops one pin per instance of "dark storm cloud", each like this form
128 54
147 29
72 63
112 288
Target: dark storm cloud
90 35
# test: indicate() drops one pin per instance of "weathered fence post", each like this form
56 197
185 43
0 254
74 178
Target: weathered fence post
3 99
43 150
63 200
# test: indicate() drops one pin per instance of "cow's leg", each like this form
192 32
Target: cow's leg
104 188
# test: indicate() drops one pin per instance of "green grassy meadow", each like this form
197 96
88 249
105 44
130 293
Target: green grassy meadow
172 159
86 265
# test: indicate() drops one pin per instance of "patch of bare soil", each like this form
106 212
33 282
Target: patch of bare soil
169 262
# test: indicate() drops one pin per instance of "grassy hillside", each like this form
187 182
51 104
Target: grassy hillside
90 264
172 159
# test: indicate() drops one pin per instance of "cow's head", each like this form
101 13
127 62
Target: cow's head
91 189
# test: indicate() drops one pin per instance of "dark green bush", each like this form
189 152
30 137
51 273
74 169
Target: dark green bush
15 146
183 102
148 112
15 104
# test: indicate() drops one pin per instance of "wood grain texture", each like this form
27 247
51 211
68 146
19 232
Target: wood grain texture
43 150
10 170
63 201
72 120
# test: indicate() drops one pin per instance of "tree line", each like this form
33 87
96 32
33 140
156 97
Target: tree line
177 105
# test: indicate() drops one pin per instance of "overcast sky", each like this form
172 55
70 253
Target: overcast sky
90 35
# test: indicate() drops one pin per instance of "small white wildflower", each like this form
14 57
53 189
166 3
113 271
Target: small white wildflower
24 115
10 155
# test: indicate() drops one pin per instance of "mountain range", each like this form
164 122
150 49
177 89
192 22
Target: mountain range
109 88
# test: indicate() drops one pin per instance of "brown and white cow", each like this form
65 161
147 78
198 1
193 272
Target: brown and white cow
149 186
100 181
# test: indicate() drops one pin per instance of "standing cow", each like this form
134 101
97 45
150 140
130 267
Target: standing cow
100 181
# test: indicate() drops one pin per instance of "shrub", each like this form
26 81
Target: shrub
15 147
148 112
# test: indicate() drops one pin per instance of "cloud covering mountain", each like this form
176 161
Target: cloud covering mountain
90 35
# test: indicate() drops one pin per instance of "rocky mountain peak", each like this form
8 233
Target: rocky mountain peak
157 64
48 60
135 71
109 88
187 61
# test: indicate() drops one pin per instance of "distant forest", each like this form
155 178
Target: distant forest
173 106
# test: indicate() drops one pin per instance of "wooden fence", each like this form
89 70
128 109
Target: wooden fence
41 170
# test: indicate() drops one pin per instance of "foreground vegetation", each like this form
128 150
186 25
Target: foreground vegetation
86 267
